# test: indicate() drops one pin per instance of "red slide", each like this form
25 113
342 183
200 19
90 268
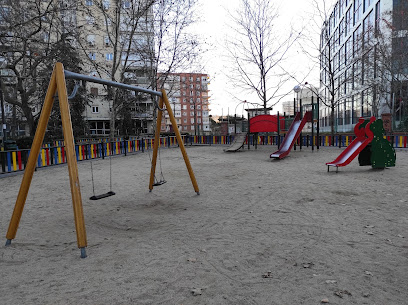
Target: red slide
292 134
364 137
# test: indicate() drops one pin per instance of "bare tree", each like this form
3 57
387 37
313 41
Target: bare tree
29 29
176 49
257 50
143 37
339 60
111 36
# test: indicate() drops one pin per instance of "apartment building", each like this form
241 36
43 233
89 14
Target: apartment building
356 41
115 40
118 38
189 98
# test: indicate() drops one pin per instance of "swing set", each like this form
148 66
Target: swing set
58 85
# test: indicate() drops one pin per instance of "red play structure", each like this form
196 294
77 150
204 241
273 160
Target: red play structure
266 123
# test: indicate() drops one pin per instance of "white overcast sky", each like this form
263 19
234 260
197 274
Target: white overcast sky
213 29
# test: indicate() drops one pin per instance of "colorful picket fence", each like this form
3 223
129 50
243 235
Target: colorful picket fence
12 161
398 141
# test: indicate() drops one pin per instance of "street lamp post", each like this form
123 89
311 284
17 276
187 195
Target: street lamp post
297 89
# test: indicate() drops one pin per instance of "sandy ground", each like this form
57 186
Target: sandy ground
261 232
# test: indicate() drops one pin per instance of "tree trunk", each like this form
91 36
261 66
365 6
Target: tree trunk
30 120
332 125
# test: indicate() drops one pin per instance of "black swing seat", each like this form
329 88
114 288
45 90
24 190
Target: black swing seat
97 197
159 182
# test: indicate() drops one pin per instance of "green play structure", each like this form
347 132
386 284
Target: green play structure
379 153
370 145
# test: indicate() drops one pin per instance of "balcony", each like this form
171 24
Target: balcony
142 116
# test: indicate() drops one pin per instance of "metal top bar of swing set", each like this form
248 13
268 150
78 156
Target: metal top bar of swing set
77 76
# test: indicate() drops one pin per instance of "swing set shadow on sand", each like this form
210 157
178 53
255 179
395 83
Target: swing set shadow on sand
58 85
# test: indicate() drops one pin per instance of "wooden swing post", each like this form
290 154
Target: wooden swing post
156 143
180 142
57 84
165 102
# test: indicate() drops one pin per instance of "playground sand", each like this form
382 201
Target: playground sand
261 232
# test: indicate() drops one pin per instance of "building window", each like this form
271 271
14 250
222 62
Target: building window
95 109
367 102
377 17
349 21
106 41
4 13
99 128
106 4
357 41
356 107
91 40
368 29
192 113
92 56
341 32
94 91
367 4
184 107
185 120
109 56
192 120
348 107
340 114
126 4
108 21
46 37
90 19
357 11
88 2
